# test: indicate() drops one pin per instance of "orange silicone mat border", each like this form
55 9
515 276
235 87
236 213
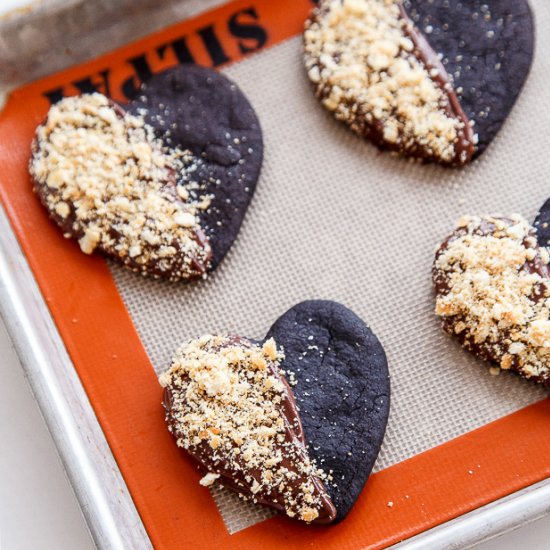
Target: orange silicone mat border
426 490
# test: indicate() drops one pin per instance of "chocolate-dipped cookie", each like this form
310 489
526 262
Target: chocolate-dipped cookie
229 406
306 451
493 293
161 184
429 80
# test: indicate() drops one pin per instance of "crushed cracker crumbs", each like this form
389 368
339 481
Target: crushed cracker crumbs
225 407
493 293
108 181
363 62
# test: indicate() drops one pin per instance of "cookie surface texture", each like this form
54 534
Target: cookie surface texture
493 293
343 391
487 47
542 224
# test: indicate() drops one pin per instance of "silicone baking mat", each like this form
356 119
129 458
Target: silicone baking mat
332 218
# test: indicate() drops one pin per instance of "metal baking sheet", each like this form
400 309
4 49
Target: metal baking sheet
100 488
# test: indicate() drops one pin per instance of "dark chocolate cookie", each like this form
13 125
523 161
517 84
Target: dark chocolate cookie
487 48
198 109
343 391
432 80
110 185
229 405
162 184
492 281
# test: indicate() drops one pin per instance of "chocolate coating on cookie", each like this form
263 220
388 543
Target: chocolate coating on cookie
493 293
229 406
111 185
342 391
379 74
198 109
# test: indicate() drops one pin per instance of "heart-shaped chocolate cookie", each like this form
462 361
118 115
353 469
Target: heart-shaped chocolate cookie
542 225
228 404
492 282
161 184
433 80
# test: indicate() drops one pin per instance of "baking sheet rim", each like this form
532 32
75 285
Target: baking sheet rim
29 322
86 456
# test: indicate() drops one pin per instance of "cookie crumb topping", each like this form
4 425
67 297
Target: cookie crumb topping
209 479
366 63
108 182
228 405
493 292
